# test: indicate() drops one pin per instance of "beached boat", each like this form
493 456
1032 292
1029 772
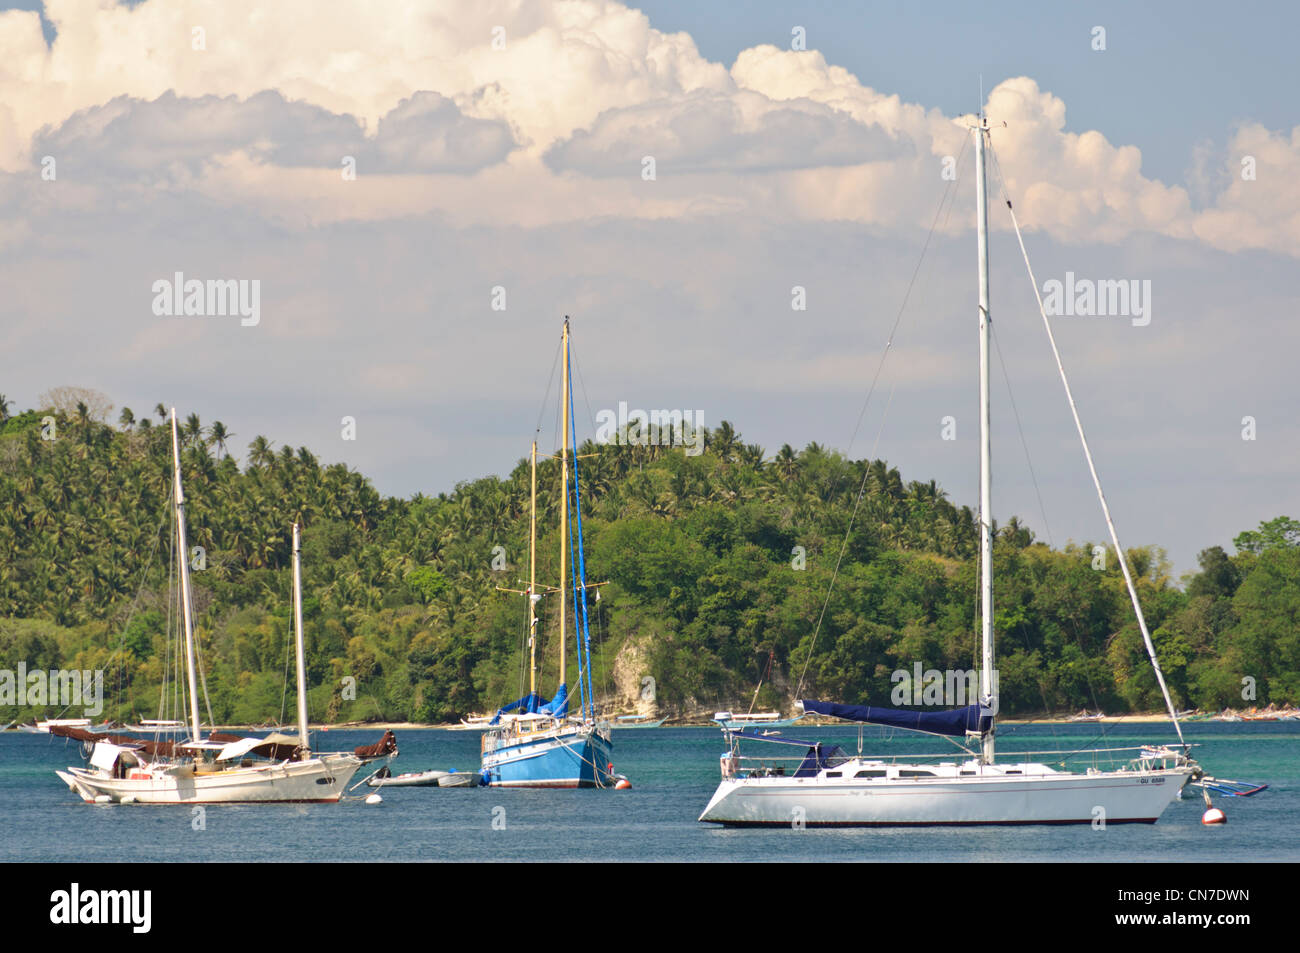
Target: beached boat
220 768
761 719
473 723
158 726
43 727
637 721
823 786
542 745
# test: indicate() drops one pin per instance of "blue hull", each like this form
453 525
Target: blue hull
572 759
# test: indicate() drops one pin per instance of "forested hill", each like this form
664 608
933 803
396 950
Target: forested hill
717 565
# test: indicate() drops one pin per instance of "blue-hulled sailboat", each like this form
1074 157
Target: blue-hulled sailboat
533 742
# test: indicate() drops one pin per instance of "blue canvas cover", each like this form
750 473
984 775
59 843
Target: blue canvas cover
559 705
819 756
530 703
956 721
534 703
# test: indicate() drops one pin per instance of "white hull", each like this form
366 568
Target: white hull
460 779
424 779
322 778
998 794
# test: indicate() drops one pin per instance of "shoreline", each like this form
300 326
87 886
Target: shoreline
1136 718
1245 715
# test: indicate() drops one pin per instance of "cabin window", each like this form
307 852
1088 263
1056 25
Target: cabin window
834 774
906 773
870 773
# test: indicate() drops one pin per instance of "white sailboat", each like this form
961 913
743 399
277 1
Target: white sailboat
826 787
158 726
758 719
221 768
43 727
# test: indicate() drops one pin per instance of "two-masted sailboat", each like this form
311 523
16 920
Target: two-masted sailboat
824 786
532 742
221 768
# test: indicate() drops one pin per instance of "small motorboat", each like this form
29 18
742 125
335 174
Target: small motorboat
458 779
384 778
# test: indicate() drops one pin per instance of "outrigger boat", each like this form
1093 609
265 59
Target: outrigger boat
761 719
637 721
45 727
1085 715
221 768
158 726
542 746
823 785
473 723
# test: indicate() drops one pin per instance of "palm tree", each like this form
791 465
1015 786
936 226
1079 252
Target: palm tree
260 453
192 429
219 435
126 419
751 454
725 440
786 463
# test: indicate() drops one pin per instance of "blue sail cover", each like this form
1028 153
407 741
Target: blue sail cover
957 721
534 703
529 703
820 754
559 705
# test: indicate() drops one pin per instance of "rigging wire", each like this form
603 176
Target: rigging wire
866 473
948 191
1110 525
573 362
1021 430
1006 377
884 356
546 394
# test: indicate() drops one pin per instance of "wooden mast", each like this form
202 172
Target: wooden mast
532 580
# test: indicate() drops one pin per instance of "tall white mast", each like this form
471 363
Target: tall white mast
187 611
304 745
564 508
986 455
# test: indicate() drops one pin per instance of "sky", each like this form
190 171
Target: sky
421 191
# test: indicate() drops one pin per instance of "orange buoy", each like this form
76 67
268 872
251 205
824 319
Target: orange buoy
1214 816
622 784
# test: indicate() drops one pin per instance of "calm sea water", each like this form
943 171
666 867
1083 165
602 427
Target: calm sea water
674 771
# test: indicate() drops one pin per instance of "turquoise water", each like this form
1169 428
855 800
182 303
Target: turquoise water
674 771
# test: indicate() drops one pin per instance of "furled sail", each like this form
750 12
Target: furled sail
559 705
533 703
154 749
957 721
